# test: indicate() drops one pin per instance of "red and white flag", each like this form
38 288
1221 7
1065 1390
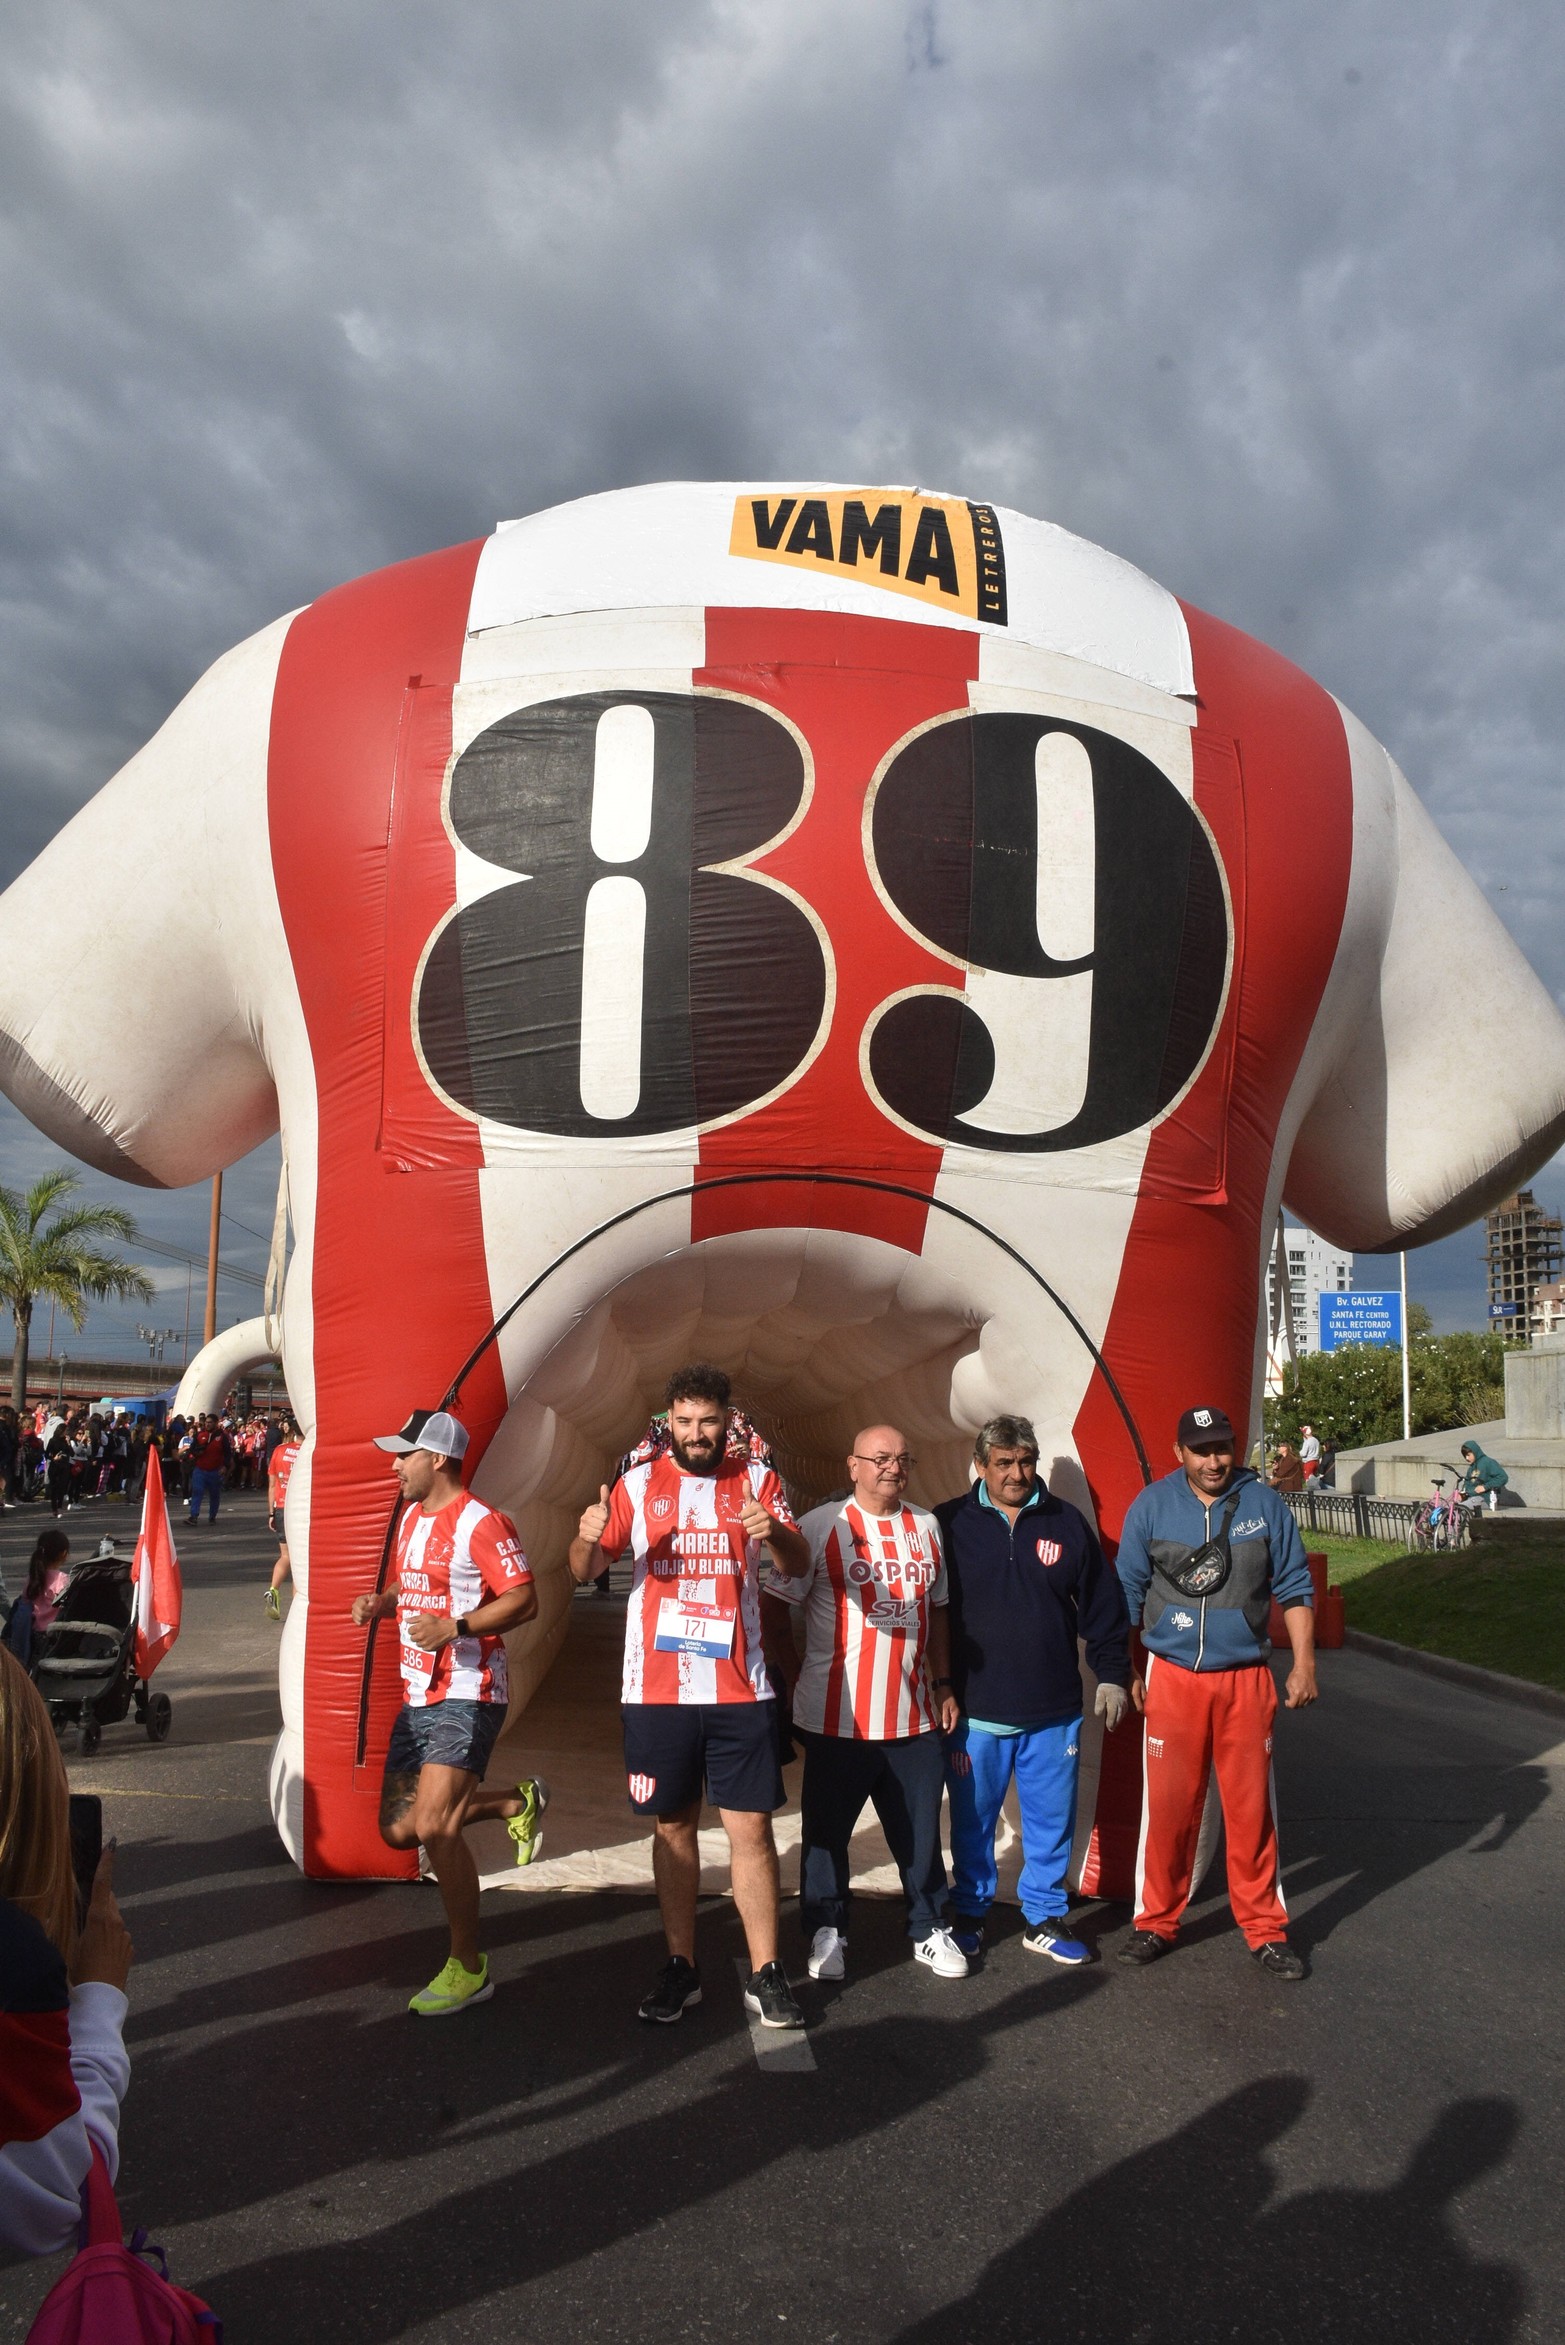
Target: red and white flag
160 1592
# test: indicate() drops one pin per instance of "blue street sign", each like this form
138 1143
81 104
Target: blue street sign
1505 1310
1360 1318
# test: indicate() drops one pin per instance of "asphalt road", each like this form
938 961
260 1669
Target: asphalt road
1186 2153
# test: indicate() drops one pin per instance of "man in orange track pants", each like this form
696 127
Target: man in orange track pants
1201 1557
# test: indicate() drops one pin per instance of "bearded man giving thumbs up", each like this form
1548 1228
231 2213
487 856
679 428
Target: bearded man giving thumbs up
697 1706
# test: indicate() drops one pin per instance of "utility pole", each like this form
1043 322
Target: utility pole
1407 1381
211 1259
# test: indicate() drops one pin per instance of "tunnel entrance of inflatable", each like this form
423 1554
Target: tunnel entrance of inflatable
822 1330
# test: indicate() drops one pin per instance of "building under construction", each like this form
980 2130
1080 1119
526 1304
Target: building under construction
1523 1252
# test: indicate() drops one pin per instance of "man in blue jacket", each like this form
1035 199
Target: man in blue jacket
1201 1557
1026 1578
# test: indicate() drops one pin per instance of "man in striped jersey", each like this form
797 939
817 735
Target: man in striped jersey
458 1581
696 1706
870 1700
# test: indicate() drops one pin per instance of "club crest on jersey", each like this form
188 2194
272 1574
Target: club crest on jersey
660 1509
642 1788
1049 1551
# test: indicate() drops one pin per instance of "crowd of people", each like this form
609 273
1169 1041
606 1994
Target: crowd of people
939 1667
61 1459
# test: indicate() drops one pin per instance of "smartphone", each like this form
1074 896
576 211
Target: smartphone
86 1844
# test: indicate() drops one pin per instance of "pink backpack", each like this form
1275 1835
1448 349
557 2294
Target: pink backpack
110 2295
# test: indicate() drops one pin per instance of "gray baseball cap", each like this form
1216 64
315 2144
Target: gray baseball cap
432 1429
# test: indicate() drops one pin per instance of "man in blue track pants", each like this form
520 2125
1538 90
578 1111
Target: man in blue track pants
1027 1576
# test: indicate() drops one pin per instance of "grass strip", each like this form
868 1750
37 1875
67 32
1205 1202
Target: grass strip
1508 1615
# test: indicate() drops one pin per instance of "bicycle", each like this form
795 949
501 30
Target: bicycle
1441 1524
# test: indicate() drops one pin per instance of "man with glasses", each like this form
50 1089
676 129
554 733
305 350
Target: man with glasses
870 1699
1202 1555
1027 1580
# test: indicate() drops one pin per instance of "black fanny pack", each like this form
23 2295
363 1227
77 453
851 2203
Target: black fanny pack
1205 1569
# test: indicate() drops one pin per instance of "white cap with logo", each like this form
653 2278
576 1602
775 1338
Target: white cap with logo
432 1429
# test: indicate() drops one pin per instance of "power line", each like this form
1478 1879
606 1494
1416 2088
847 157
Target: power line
198 1262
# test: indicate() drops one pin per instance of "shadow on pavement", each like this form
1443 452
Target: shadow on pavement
1179 2245
556 2210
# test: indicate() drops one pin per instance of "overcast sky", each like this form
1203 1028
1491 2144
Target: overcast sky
1266 298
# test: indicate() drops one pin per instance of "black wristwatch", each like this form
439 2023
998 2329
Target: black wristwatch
462 1628
938 1682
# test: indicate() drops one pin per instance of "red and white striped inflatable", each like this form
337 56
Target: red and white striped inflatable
876 940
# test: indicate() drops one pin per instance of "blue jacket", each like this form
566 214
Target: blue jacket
1020 1595
1228 1628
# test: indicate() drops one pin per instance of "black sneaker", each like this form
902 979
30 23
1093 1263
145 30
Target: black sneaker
1278 1960
1144 1946
675 1992
767 1994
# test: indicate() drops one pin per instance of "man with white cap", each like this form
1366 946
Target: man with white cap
458 1581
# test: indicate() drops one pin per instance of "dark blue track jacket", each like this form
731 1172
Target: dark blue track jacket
1020 1595
1228 1629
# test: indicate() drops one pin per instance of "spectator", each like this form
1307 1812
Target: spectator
63 2069
1484 1479
10 1442
35 1608
871 1700
1014 1631
1201 1557
1326 1473
57 1451
210 1450
1309 1452
1287 1469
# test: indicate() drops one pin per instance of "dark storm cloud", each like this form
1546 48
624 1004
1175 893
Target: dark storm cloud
1266 298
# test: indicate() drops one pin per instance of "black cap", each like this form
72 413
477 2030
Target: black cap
1198 1427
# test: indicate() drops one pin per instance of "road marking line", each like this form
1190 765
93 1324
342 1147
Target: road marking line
776 2048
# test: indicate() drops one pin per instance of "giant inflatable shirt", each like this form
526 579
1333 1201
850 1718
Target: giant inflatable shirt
877 941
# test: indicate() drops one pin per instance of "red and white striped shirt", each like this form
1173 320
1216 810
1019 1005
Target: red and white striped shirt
871 1582
449 1563
693 1630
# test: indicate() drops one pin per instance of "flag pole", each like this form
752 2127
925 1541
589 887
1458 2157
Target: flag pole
1407 1381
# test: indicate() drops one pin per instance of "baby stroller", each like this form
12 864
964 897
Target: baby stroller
84 1663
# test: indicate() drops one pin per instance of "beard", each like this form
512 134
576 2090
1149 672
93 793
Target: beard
698 1457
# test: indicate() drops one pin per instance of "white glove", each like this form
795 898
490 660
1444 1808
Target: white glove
1111 1704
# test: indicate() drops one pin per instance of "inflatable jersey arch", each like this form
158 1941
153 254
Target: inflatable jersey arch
568 897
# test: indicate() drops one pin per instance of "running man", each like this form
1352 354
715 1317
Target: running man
871 1698
459 1581
279 1472
696 1703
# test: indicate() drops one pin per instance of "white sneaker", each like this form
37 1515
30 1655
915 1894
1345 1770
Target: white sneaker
943 1955
828 1954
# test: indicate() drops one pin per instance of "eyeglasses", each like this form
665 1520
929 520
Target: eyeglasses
880 1463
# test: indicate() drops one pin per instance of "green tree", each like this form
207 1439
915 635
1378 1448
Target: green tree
52 1250
1356 1393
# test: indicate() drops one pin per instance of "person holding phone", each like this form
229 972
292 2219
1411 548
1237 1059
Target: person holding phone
65 1955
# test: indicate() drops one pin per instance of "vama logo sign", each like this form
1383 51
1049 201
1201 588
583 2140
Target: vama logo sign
940 549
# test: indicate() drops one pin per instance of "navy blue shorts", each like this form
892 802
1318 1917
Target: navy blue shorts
673 1748
444 1734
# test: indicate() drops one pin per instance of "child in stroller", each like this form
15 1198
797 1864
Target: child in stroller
84 1662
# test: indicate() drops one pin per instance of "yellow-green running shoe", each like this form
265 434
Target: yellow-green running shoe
454 1990
526 1829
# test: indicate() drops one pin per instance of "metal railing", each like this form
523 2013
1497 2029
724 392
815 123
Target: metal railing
1353 1514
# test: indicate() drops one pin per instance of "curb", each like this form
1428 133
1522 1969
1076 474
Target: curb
1519 1690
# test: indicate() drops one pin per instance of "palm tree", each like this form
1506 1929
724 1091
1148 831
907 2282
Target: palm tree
64 1260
